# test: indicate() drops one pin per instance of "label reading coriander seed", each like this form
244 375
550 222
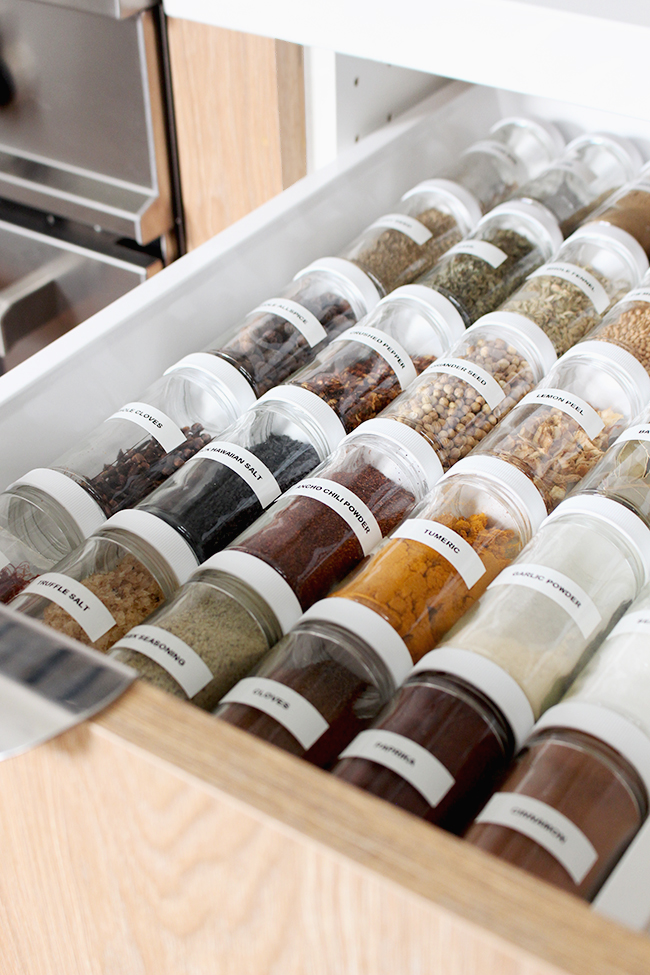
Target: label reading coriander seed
496 149
251 470
492 255
558 587
155 422
635 433
170 653
475 376
345 503
586 282
447 543
291 710
83 605
638 622
575 407
388 348
545 826
306 323
639 294
405 757
406 225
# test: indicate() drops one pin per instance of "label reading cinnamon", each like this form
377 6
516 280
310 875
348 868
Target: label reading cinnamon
291 710
583 280
169 652
574 406
302 319
244 463
406 225
481 249
156 423
83 605
558 587
345 503
447 543
475 376
388 348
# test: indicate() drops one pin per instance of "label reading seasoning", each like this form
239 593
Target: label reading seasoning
291 710
586 282
475 376
251 470
405 757
306 323
345 503
496 149
391 351
72 596
170 653
447 543
635 433
155 422
558 587
406 225
545 826
492 255
638 622
575 407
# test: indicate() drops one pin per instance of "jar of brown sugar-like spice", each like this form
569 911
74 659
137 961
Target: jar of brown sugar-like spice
628 324
629 209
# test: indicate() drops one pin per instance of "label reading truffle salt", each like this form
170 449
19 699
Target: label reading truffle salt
447 543
545 826
492 255
405 757
155 422
291 710
558 587
251 470
639 294
345 503
406 225
635 433
391 351
572 405
72 596
638 622
475 376
496 149
586 282
170 653
302 319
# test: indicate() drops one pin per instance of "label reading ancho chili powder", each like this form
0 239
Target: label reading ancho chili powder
170 653
558 587
288 708
406 225
446 542
345 503
574 406
481 249
249 467
76 599
388 348
298 316
157 424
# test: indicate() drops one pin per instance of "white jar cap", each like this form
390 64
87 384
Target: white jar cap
625 150
75 500
369 627
331 427
546 132
629 524
367 293
421 451
609 234
533 213
460 201
436 307
606 725
488 678
507 474
229 378
519 325
263 579
629 364
164 539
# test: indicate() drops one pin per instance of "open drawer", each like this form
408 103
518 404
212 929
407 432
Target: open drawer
155 838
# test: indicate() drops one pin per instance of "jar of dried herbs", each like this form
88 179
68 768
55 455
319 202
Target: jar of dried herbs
629 209
623 472
628 324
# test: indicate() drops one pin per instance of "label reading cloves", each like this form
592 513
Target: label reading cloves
286 706
583 280
481 249
345 503
558 587
406 225
244 463
574 406
388 348
447 543
169 652
302 319
76 599
156 423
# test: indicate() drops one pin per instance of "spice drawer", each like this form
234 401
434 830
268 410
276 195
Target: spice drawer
156 839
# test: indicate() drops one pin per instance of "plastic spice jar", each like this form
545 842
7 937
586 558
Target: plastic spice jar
112 582
213 631
558 432
568 296
279 336
479 273
325 681
231 481
370 364
628 324
438 562
629 209
465 393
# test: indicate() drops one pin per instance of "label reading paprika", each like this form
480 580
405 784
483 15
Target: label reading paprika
638 622
558 587
291 710
77 600
388 348
586 282
169 652
475 376
635 433
345 503
446 542
574 406
157 424
481 249
406 225
244 463
302 319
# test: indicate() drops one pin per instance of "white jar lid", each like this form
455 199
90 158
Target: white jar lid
534 213
488 678
630 365
421 451
164 539
625 150
457 197
505 473
436 306
368 294
599 230
520 325
369 627
228 376
75 500
606 725
319 411
546 132
263 579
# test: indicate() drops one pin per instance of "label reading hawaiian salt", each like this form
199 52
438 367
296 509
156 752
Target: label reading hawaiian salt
492 255
586 282
406 225
638 622
83 605
170 653
558 587
475 376
635 433
251 470
574 406
447 543
306 323
291 710
155 422
496 149
388 348
405 757
545 826
345 503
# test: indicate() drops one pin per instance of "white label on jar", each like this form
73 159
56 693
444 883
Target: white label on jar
492 255
635 433
558 587
291 710
545 826
251 470
574 406
345 503
413 763
155 422
582 279
475 376
447 543
72 596
4 561
639 294
391 351
170 653
638 622
306 323
406 225
493 149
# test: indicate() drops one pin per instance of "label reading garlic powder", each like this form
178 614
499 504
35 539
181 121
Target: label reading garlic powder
406 225
558 587
291 710
388 348
475 376
302 319
583 280
244 463
157 424
492 255
345 503
83 605
447 543
574 406
169 652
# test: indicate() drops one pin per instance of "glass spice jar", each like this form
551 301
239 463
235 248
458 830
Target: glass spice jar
367 366
325 681
283 334
629 209
628 324
112 582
